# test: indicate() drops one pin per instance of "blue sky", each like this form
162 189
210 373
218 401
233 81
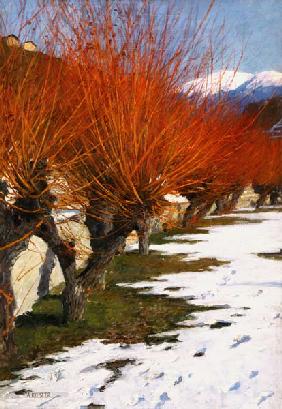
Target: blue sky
256 24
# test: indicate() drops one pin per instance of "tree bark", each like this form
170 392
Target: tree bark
99 260
108 238
143 231
262 198
228 202
7 308
143 236
66 256
275 195
221 205
12 230
74 295
188 214
235 198
45 273
263 191
198 208
203 209
74 302
7 299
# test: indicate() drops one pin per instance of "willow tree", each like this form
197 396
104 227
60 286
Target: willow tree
143 138
255 156
268 175
238 156
38 122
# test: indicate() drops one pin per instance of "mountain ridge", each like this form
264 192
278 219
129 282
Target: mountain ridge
243 86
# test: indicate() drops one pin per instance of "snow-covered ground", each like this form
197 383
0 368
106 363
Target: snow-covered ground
237 366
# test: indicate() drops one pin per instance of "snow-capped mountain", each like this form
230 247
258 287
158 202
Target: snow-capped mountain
244 86
261 86
218 81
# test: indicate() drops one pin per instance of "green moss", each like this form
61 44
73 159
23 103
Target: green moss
200 227
165 237
226 220
132 267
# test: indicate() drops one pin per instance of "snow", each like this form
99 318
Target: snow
238 366
257 86
221 80
265 79
261 86
175 198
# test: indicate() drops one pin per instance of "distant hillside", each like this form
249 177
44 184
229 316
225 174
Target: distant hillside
268 113
244 87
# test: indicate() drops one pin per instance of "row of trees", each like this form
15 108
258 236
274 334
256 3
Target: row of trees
99 124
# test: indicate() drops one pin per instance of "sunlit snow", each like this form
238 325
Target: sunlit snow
238 366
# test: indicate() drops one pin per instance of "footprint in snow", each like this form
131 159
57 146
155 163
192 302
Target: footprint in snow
178 380
227 278
93 390
235 386
124 346
207 294
56 375
160 375
200 352
140 400
265 397
163 399
240 340
253 374
220 324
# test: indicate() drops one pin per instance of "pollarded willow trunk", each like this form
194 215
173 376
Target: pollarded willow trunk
45 273
275 195
7 299
190 210
197 208
100 259
262 198
143 231
228 202
104 249
203 209
263 191
108 235
12 231
235 198
221 205
199 204
188 214
107 239
74 301
7 308
65 252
